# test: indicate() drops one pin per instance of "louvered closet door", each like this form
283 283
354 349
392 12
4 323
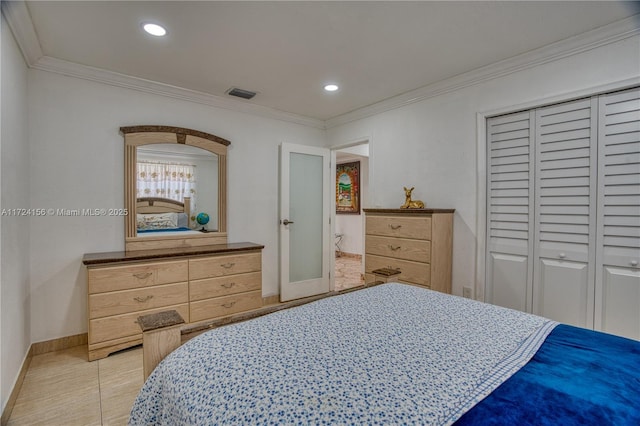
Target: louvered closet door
509 229
565 187
618 272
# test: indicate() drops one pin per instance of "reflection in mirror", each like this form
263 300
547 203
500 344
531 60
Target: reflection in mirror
182 173
175 187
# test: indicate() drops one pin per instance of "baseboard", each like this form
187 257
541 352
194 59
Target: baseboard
38 348
59 344
350 255
11 402
271 300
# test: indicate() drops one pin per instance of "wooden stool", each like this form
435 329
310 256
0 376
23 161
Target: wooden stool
160 336
385 275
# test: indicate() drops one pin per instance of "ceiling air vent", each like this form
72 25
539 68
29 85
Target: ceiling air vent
245 94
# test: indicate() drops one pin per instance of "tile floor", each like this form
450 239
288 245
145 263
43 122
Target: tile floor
348 271
63 388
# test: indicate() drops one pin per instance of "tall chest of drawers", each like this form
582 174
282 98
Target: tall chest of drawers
416 242
200 283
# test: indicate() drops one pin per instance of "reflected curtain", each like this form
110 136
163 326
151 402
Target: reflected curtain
166 180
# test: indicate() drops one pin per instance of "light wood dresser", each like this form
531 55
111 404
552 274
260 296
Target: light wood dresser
416 242
200 283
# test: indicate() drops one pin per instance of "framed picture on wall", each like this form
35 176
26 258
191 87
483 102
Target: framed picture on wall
348 188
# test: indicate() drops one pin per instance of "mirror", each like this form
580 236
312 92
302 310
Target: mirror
178 172
172 175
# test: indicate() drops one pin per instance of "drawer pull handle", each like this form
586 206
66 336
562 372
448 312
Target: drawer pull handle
394 248
142 275
227 265
634 263
562 255
228 305
228 285
394 227
143 299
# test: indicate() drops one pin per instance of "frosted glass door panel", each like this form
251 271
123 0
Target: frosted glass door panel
305 210
304 221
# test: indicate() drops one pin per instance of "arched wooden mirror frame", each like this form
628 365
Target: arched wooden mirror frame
135 136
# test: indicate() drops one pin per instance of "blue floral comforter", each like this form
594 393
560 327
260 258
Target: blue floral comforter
390 354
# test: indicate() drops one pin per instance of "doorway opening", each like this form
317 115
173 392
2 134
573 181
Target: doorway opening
349 226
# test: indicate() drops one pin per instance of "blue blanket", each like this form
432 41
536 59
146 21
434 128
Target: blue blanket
142 231
577 377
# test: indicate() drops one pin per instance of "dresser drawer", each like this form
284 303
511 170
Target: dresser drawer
417 250
418 228
414 272
223 306
371 278
117 326
125 301
217 266
224 286
135 276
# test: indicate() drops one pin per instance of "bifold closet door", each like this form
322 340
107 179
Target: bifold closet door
618 258
509 210
565 206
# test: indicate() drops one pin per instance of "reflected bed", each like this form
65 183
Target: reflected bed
162 216
395 354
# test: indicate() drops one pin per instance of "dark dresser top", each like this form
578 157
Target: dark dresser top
409 211
94 259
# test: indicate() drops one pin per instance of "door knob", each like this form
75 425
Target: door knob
286 221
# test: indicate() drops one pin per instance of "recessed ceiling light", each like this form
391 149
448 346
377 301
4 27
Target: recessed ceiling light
331 87
154 30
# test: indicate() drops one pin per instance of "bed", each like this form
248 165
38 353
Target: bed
395 354
162 216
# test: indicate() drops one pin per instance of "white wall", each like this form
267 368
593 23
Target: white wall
14 230
77 162
432 144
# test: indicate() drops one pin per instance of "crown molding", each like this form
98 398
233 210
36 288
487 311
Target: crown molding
19 21
18 18
71 69
590 40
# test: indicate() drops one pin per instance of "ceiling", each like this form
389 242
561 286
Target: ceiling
287 51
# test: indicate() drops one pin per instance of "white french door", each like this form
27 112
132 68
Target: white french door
305 246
